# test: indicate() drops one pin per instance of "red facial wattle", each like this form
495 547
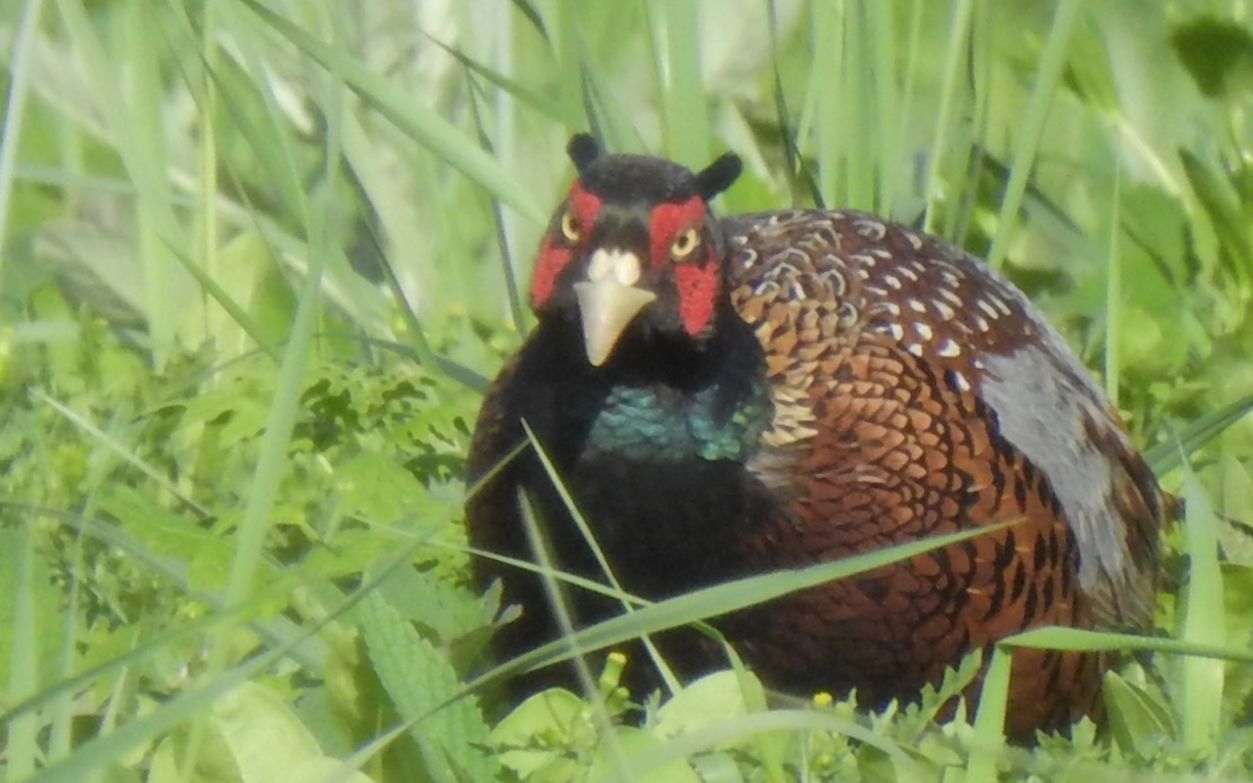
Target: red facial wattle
556 251
552 259
698 288
697 278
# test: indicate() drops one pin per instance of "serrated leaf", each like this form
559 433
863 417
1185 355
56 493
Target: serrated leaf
205 555
417 678
919 715
373 486
449 609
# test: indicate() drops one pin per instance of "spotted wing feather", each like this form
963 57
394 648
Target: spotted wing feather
847 306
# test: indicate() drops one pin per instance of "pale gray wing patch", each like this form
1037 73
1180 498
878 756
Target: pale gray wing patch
1041 412
1045 405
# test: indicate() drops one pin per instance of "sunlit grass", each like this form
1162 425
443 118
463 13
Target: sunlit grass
256 258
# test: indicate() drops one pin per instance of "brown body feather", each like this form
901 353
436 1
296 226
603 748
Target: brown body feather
879 345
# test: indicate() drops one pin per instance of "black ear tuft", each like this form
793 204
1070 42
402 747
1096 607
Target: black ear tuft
582 149
718 176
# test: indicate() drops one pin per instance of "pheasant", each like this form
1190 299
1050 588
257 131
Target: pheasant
726 397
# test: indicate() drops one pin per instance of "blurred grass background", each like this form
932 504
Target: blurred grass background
257 259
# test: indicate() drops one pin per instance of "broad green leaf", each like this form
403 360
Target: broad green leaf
704 701
1136 719
268 741
626 756
534 738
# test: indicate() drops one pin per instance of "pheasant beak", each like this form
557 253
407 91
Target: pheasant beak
609 300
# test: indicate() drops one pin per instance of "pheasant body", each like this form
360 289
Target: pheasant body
794 387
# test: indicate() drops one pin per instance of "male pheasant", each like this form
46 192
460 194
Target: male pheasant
727 397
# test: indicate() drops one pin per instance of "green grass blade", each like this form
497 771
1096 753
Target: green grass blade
554 593
573 580
272 457
224 300
568 640
14 110
98 753
143 652
683 93
1204 620
1027 144
1081 640
904 116
945 125
513 291
142 151
730 597
1221 199
528 97
418 342
207 226
797 170
118 449
862 86
61 705
989 734
884 146
1113 293
347 769
22 747
424 126
602 562
1169 455
585 530
828 81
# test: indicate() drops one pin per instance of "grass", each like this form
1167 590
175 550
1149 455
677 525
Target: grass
257 259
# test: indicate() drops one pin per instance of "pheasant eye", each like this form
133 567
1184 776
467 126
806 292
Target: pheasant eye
684 244
570 227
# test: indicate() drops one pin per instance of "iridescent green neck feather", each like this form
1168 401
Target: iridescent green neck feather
657 423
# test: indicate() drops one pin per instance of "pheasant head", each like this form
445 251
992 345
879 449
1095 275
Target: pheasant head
633 250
